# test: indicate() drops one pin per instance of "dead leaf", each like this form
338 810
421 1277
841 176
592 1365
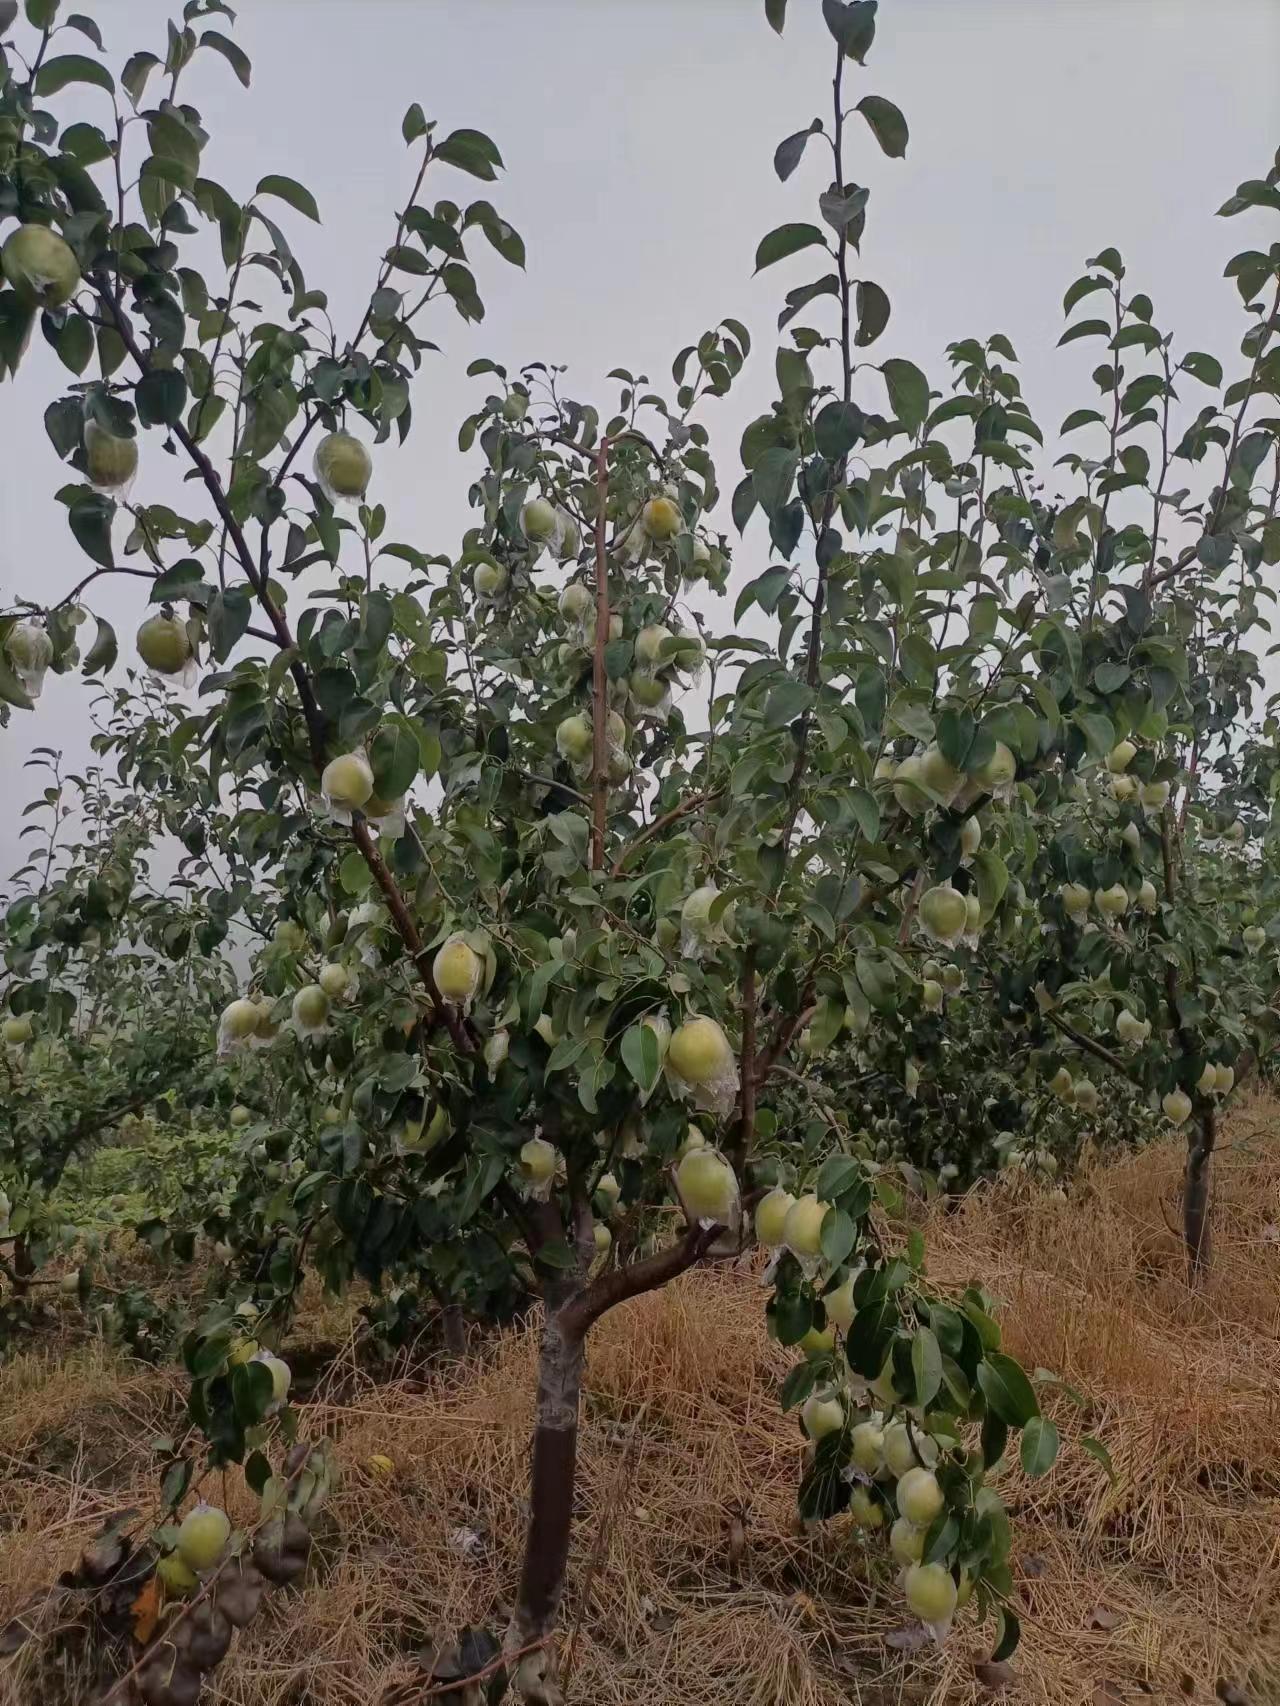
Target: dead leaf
913 1639
1231 1694
1102 1617
145 1610
1107 1693
994 1674
1033 1564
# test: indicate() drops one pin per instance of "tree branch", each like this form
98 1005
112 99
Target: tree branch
658 825
1098 1050
618 1284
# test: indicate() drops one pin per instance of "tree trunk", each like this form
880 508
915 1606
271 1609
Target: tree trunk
1195 1195
546 1558
572 1309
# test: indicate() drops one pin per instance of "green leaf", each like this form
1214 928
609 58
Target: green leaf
786 702
137 69
1007 1389
394 755
90 519
773 477
926 1366
775 12
872 306
1081 288
787 155
839 1234
837 429
178 582
887 124
252 1390
1081 417
1039 1445
908 392
853 25
471 151
287 189
786 240
1096 1449
228 618
414 123
1085 329
354 875
75 343
866 812
161 396
641 1055
1008 1634
1206 368
55 74
234 55
104 650
257 1471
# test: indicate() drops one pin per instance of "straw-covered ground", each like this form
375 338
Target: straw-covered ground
692 1584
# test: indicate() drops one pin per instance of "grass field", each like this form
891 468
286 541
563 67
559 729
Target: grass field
693 1584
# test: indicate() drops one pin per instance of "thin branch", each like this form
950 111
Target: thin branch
658 825
1098 1050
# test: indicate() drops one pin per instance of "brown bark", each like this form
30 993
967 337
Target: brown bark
571 1311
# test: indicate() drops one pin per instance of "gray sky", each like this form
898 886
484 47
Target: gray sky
638 137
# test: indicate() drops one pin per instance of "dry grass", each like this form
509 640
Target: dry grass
1154 1589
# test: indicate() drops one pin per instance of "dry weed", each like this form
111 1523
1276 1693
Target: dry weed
693 1584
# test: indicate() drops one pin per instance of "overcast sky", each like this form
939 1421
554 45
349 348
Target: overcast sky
638 137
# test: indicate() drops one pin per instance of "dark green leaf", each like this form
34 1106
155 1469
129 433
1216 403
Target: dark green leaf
887 124
853 24
786 240
773 477
134 76
839 1234
1085 329
471 151
1007 1389
55 74
1008 1634
788 153
75 343
926 1366
1097 1450
641 1055
872 306
1206 368
287 189
228 618
1039 1445
414 123
90 519
776 13
908 392
103 652
837 429
234 55
161 396
394 755
1081 288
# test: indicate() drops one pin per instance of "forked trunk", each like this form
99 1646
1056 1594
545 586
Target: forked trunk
546 1558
